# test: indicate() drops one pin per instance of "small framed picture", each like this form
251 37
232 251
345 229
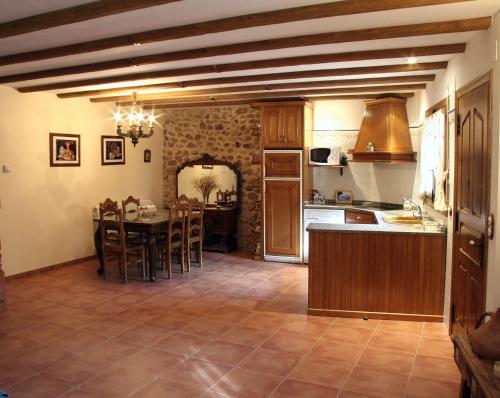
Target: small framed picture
147 156
343 196
112 150
64 150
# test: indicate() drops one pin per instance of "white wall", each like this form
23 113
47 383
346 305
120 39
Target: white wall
45 215
337 123
479 58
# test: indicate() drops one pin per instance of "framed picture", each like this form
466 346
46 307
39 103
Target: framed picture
343 196
64 150
147 156
112 150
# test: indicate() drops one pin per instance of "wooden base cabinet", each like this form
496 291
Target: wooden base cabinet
377 275
282 218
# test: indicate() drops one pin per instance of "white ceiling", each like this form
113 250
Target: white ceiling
190 11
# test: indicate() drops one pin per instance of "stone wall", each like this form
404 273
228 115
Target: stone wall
225 132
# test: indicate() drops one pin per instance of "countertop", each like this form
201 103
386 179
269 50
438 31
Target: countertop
356 204
429 226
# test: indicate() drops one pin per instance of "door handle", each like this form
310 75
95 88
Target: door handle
472 242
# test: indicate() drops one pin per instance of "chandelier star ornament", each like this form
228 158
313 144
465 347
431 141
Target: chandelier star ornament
136 121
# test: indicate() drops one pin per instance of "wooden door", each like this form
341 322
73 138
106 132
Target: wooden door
472 179
2 282
293 130
282 218
282 165
272 126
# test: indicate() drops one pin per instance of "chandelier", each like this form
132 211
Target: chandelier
136 123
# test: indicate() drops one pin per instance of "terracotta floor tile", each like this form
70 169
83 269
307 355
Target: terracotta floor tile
73 370
246 336
77 319
38 387
77 393
433 347
78 341
352 394
357 322
290 343
242 383
20 323
170 321
436 369
264 321
168 389
392 360
11 345
377 383
192 309
45 332
182 344
318 371
117 382
394 341
207 327
348 334
39 358
110 352
402 326
13 373
340 352
229 314
197 373
272 362
223 352
435 330
144 335
304 328
131 298
297 389
425 388
109 327
152 361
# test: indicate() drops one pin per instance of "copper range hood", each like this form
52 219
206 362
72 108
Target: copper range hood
384 135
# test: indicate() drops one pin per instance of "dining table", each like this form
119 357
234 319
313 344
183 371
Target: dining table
150 225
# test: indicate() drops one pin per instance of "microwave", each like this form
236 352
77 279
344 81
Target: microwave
324 156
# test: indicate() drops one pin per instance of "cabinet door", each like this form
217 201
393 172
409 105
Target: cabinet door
272 126
282 165
282 218
293 129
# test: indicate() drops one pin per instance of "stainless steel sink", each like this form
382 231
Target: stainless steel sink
403 220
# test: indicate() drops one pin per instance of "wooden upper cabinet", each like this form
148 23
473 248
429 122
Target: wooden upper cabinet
293 127
282 125
286 165
282 218
272 126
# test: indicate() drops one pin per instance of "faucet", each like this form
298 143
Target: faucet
410 204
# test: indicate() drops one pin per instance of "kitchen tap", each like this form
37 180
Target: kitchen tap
410 204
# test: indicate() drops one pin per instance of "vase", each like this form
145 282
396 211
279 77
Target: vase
485 339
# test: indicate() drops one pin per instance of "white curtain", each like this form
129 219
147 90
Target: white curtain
432 160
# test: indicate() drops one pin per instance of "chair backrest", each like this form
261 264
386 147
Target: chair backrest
111 223
131 205
195 218
176 220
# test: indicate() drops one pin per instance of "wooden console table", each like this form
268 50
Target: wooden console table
478 380
220 225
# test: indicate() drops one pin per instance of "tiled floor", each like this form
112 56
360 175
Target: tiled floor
237 328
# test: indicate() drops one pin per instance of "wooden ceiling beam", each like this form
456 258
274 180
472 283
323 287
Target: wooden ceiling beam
280 94
261 64
80 13
332 9
255 101
423 29
364 70
271 87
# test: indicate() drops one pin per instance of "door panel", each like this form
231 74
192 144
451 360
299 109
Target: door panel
292 126
282 218
272 126
471 204
282 165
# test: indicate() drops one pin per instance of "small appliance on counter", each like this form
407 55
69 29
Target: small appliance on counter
325 156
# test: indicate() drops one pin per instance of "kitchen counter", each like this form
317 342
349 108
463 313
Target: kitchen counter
429 226
356 204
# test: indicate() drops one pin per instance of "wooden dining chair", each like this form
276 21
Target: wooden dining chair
130 207
114 242
174 239
194 232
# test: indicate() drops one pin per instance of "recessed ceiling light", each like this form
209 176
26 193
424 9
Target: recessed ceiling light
412 60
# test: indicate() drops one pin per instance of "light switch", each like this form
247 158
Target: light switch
6 168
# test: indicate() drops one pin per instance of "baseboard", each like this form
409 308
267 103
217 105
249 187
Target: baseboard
376 315
51 267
